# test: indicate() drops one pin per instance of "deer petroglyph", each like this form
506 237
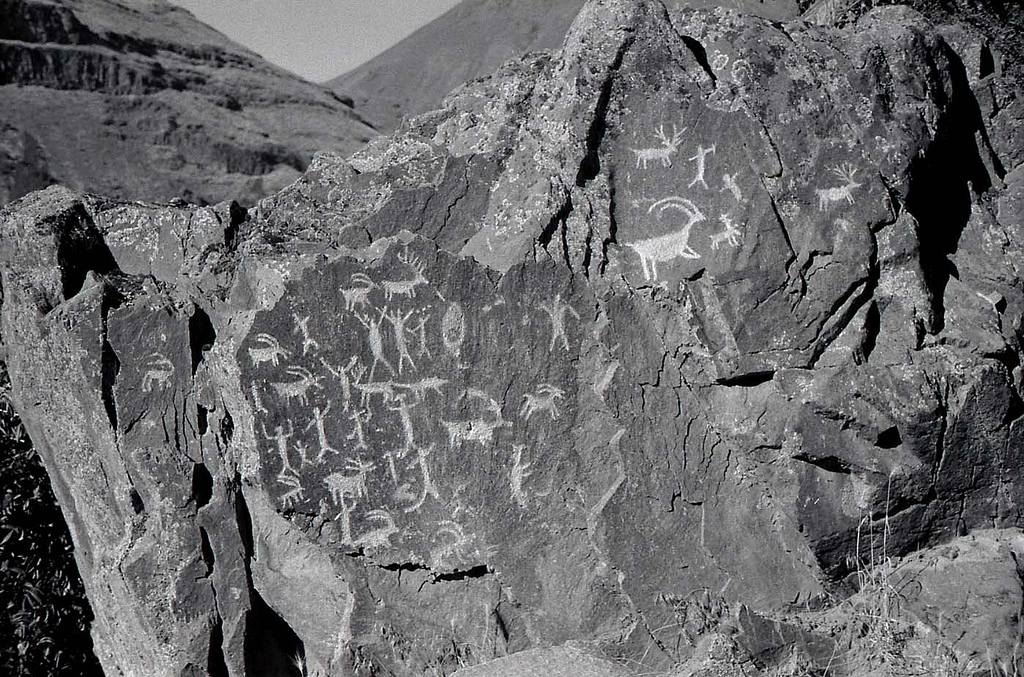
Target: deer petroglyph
344 486
664 153
826 196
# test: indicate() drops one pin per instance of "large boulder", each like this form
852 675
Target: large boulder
701 302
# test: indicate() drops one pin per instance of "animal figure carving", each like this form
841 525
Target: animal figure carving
353 486
298 388
669 147
405 288
545 399
479 430
826 196
159 371
674 245
358 295
381 536
269 350
731 234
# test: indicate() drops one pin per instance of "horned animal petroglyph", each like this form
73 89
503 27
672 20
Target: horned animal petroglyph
544 399
826 196
299 388
674 245
359 295
420 388
479 430
732 234
664 153
159 371
344 486
269 350
407 287
381 536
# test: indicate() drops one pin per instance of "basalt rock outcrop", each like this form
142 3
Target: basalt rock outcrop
140 100
701 302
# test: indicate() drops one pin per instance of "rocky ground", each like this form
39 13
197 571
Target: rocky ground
140 100
689 349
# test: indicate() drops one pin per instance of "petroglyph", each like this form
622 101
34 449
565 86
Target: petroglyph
269 350
420 388
319 419
664 153
732 234
701 159
453 330
159 371
385 389
519 473
556 310
299 388
826 196
343 374
729 184
342 486
457 541
399 330
257 403
741 72
302 327
419 332
295 493
676 244
359 418
428 489
288 475
405 416
406 287
545 399
479 430
358 296
719 61
381 536
375 340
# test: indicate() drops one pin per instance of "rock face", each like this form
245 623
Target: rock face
471 41
701 302
160 105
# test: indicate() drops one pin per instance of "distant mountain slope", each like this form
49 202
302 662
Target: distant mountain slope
472 40
139 99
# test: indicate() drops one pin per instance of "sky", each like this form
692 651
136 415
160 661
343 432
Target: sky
317 39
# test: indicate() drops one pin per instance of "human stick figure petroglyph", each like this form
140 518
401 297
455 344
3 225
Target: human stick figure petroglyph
319 419
299 388
159 371
269 350
343 374
359 418
429 489
359 295
729 184
556 310
676 244
407 287
420 333
732 234
519 473
664 153
544 399
375 340
302 327
826 196
399 330
257 402
701 158
287 476
343 486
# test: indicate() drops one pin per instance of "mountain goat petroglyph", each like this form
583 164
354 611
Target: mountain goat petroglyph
344 486
664 153
359 295
545 399
159 371
269 350
827 196
300 387
674 245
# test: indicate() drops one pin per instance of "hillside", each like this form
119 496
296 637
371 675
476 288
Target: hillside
141 100
472 40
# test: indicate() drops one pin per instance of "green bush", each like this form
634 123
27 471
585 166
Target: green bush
44 615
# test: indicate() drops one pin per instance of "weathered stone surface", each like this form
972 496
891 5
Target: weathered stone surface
700 303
